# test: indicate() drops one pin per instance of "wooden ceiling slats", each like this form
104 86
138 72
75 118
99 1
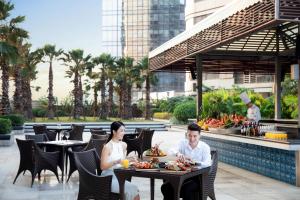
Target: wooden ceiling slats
250 31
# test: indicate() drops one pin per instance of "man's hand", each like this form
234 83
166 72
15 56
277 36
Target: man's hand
180 157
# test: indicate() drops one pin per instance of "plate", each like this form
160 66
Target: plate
148 155
151 169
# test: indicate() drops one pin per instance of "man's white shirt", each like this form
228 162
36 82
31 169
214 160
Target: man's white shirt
200 154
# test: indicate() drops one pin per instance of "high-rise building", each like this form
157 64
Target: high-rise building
134 27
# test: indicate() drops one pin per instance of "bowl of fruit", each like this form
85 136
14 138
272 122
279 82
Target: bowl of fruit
155 151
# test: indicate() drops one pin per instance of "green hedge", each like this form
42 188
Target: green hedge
184 111
162 115
5 126
16 120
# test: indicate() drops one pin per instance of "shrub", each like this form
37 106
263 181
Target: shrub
39 112
162 115
185 110
16 120
5 126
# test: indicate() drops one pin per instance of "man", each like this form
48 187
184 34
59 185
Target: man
189 149
253 112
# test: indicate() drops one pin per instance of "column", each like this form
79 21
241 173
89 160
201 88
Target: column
199 68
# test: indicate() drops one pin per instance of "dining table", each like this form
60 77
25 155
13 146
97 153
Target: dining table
62 146
175 178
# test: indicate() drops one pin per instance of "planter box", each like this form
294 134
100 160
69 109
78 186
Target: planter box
18 130
7 139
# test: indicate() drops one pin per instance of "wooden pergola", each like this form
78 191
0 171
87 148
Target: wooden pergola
253 36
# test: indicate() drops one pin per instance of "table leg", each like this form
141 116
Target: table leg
152 188
63 164
176 184
122 187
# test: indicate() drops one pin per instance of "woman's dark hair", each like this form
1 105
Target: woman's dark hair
194 127
114 127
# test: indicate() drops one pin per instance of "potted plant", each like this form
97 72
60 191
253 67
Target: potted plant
6 137
17 122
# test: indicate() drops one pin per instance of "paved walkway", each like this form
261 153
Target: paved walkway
231 183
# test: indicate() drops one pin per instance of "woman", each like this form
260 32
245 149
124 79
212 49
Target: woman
113 152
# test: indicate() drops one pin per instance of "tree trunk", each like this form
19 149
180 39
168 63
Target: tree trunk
5 105
50 94
128 103
80 94
103 109
148 106
18 105
76 112
27 101
121 95
110 97
95 104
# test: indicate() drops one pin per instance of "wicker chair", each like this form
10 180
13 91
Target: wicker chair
91 184
96 144
36 138
209 187
42 129
141 143
32 158
97 131
76 132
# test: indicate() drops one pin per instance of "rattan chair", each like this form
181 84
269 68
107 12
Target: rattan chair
76 132
141 143
97 131
36 138
32 158
91 184
96 144
209 187
42 129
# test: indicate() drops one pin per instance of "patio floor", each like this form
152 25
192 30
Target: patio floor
231 183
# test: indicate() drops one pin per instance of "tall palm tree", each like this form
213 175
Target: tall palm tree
103 61
150 79
23 49
9 35
77 62
50 53
93 84
28 74
127 75
111 73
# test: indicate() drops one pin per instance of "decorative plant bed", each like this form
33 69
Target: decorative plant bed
18 130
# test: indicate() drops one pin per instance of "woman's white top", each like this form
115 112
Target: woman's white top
117 153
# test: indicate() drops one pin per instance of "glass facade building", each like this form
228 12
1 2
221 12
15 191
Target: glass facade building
134 27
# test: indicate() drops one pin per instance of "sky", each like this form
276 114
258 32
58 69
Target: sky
68 24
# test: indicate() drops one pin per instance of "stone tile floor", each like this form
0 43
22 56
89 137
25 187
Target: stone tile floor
231 183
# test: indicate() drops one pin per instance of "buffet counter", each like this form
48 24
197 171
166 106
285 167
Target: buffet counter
278 159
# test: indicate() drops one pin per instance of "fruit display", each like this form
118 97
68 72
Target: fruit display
178 166
226 121
155 151
143 165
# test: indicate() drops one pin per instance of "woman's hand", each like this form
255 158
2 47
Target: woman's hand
116 162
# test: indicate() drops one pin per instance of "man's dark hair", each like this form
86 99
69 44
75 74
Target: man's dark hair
194 127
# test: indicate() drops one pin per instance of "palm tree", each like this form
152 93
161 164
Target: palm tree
103 61
111 73
50 53
9 35
127 75
23 49
77 63
28 73
150 79
93 84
